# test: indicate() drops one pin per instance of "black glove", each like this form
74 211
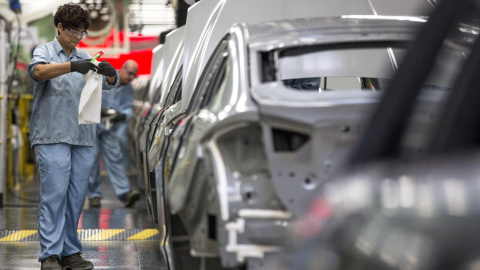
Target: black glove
104 112
82 66
106 69
118 117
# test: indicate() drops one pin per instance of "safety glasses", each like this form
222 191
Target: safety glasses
131 73
77 33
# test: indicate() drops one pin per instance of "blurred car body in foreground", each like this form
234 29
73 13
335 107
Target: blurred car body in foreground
408 197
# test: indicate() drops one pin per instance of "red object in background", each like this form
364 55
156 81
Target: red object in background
143 58
102 41
140 50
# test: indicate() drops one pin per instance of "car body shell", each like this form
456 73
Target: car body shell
171 63
225 169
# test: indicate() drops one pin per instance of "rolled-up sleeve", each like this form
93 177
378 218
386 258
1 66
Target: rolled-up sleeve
40 55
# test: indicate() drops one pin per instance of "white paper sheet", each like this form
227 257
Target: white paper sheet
91 99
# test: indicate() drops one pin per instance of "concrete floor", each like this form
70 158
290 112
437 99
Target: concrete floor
109 235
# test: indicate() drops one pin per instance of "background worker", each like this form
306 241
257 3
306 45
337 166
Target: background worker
129 72
63 148
110 140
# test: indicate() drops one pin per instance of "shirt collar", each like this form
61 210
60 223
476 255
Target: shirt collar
58 48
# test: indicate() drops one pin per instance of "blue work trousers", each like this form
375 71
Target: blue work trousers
108 144
63 171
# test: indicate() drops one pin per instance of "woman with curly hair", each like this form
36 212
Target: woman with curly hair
63 148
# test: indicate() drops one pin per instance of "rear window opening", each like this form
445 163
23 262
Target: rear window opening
331 67
322 84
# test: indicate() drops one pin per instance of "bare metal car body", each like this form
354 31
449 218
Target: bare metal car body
142 110
207 22
171 65
143 103
147 110
252 151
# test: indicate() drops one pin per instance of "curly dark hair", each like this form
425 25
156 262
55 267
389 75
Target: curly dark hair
72 16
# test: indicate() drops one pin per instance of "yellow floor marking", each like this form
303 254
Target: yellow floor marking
143 234
18 235
104 234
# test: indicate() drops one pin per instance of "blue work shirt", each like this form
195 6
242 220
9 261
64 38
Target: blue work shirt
120 99
55 102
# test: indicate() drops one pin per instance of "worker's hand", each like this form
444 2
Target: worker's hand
105 112
82 66
118 117
106 69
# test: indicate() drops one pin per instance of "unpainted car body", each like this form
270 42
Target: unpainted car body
142 109
150 109
204 32
209 20
252 151
173 51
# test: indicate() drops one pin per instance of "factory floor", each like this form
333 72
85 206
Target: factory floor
113 237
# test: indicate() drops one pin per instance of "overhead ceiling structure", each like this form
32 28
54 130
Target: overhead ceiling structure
119 28
151 17
31 9
103 15
146 17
